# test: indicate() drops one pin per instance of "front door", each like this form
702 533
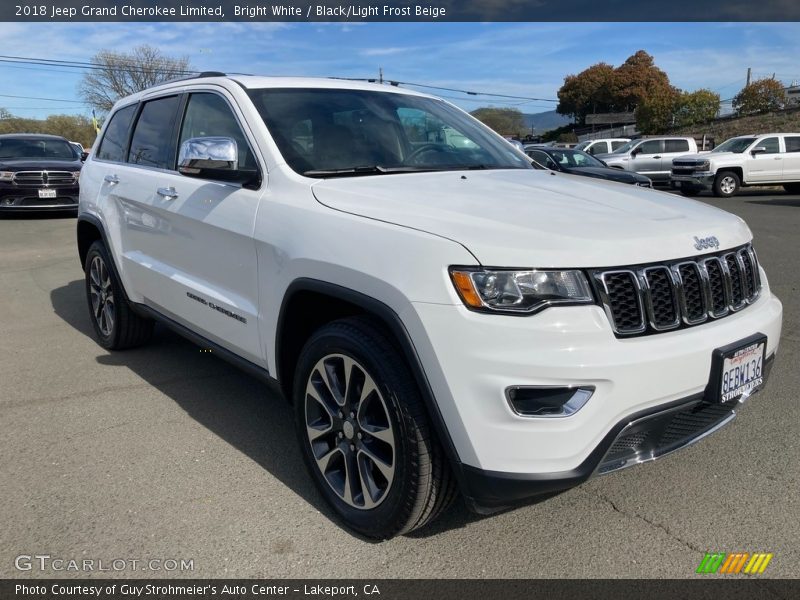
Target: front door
766 166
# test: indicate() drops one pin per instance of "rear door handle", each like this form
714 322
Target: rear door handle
111 179
168 193
656 157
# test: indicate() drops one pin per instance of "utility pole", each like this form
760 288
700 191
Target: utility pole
748 76
380 74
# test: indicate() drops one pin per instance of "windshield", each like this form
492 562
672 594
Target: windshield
626 148
570 159
737 145
22 148
335 132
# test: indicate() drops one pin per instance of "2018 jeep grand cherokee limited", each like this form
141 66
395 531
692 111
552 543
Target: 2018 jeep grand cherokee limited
441 315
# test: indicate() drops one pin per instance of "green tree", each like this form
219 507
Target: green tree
637 81
120 74
505 121
75 128
762 95
656 113
587 92
694 108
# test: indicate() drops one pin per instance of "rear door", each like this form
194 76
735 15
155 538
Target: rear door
791 158
648 159
673 149
767 166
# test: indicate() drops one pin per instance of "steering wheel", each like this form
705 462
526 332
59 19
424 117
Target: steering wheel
429 147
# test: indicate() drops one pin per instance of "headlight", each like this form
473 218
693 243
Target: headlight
511 291
6 175
703 166
76 175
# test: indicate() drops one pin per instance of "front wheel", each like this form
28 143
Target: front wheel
365 434
727 184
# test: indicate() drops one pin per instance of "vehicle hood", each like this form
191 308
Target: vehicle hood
607 173
518 218
35 164
704 156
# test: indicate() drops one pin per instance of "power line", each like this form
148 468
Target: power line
46 99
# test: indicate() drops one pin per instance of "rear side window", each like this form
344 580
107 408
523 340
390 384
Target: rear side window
153 143
115 141
676 145
598 148
792 144
650 147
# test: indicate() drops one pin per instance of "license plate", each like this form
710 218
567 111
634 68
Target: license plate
739 369
47 193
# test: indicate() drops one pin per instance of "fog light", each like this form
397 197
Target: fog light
547 401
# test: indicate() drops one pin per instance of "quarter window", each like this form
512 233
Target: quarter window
208 115
153 143
115 140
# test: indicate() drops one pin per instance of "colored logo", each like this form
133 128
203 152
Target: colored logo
735 563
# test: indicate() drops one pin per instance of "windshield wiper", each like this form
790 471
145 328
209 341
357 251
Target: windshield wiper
367 170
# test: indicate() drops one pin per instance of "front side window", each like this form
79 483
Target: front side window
770 145
650 147
153 142
543 159
115 140
736 145
208 115
335 132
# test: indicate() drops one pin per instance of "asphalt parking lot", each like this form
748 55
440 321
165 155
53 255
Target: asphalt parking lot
165 452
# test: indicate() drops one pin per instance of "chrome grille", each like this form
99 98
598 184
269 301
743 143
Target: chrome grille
661 297
40 178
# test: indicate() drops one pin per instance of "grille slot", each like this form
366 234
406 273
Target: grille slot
40 178
660 297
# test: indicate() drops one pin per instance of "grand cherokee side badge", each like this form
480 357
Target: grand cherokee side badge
705 243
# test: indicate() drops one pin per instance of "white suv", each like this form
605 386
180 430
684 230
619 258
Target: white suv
442 317
767 159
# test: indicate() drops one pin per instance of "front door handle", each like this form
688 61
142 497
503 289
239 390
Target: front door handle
168 193
656 157
111 179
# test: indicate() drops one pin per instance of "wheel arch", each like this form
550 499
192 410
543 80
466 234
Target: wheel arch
737 170
310 303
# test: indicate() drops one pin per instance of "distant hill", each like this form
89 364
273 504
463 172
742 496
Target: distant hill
545 121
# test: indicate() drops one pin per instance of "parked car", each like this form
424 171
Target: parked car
576 162
440 317
602 146
766 159
650 156
38 172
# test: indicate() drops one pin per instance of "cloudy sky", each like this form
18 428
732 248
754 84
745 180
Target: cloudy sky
521 59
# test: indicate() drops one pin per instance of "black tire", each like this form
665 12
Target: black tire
792 188
421 485
727 184
117 327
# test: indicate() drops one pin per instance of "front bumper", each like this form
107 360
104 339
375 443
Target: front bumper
703 180
19 198
641 437
471 359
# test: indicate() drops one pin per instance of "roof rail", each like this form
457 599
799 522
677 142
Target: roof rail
197 76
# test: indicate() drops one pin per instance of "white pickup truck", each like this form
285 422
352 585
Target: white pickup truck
768 159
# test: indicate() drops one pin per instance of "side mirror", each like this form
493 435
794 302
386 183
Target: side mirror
758 150
84 156
212 158
637 150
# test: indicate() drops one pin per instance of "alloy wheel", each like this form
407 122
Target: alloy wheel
101 295
350 432
727 185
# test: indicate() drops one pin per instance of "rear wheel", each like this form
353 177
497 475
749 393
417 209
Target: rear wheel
116 325
727 184
792 188
365 434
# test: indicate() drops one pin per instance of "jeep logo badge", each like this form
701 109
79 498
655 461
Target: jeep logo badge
705 243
